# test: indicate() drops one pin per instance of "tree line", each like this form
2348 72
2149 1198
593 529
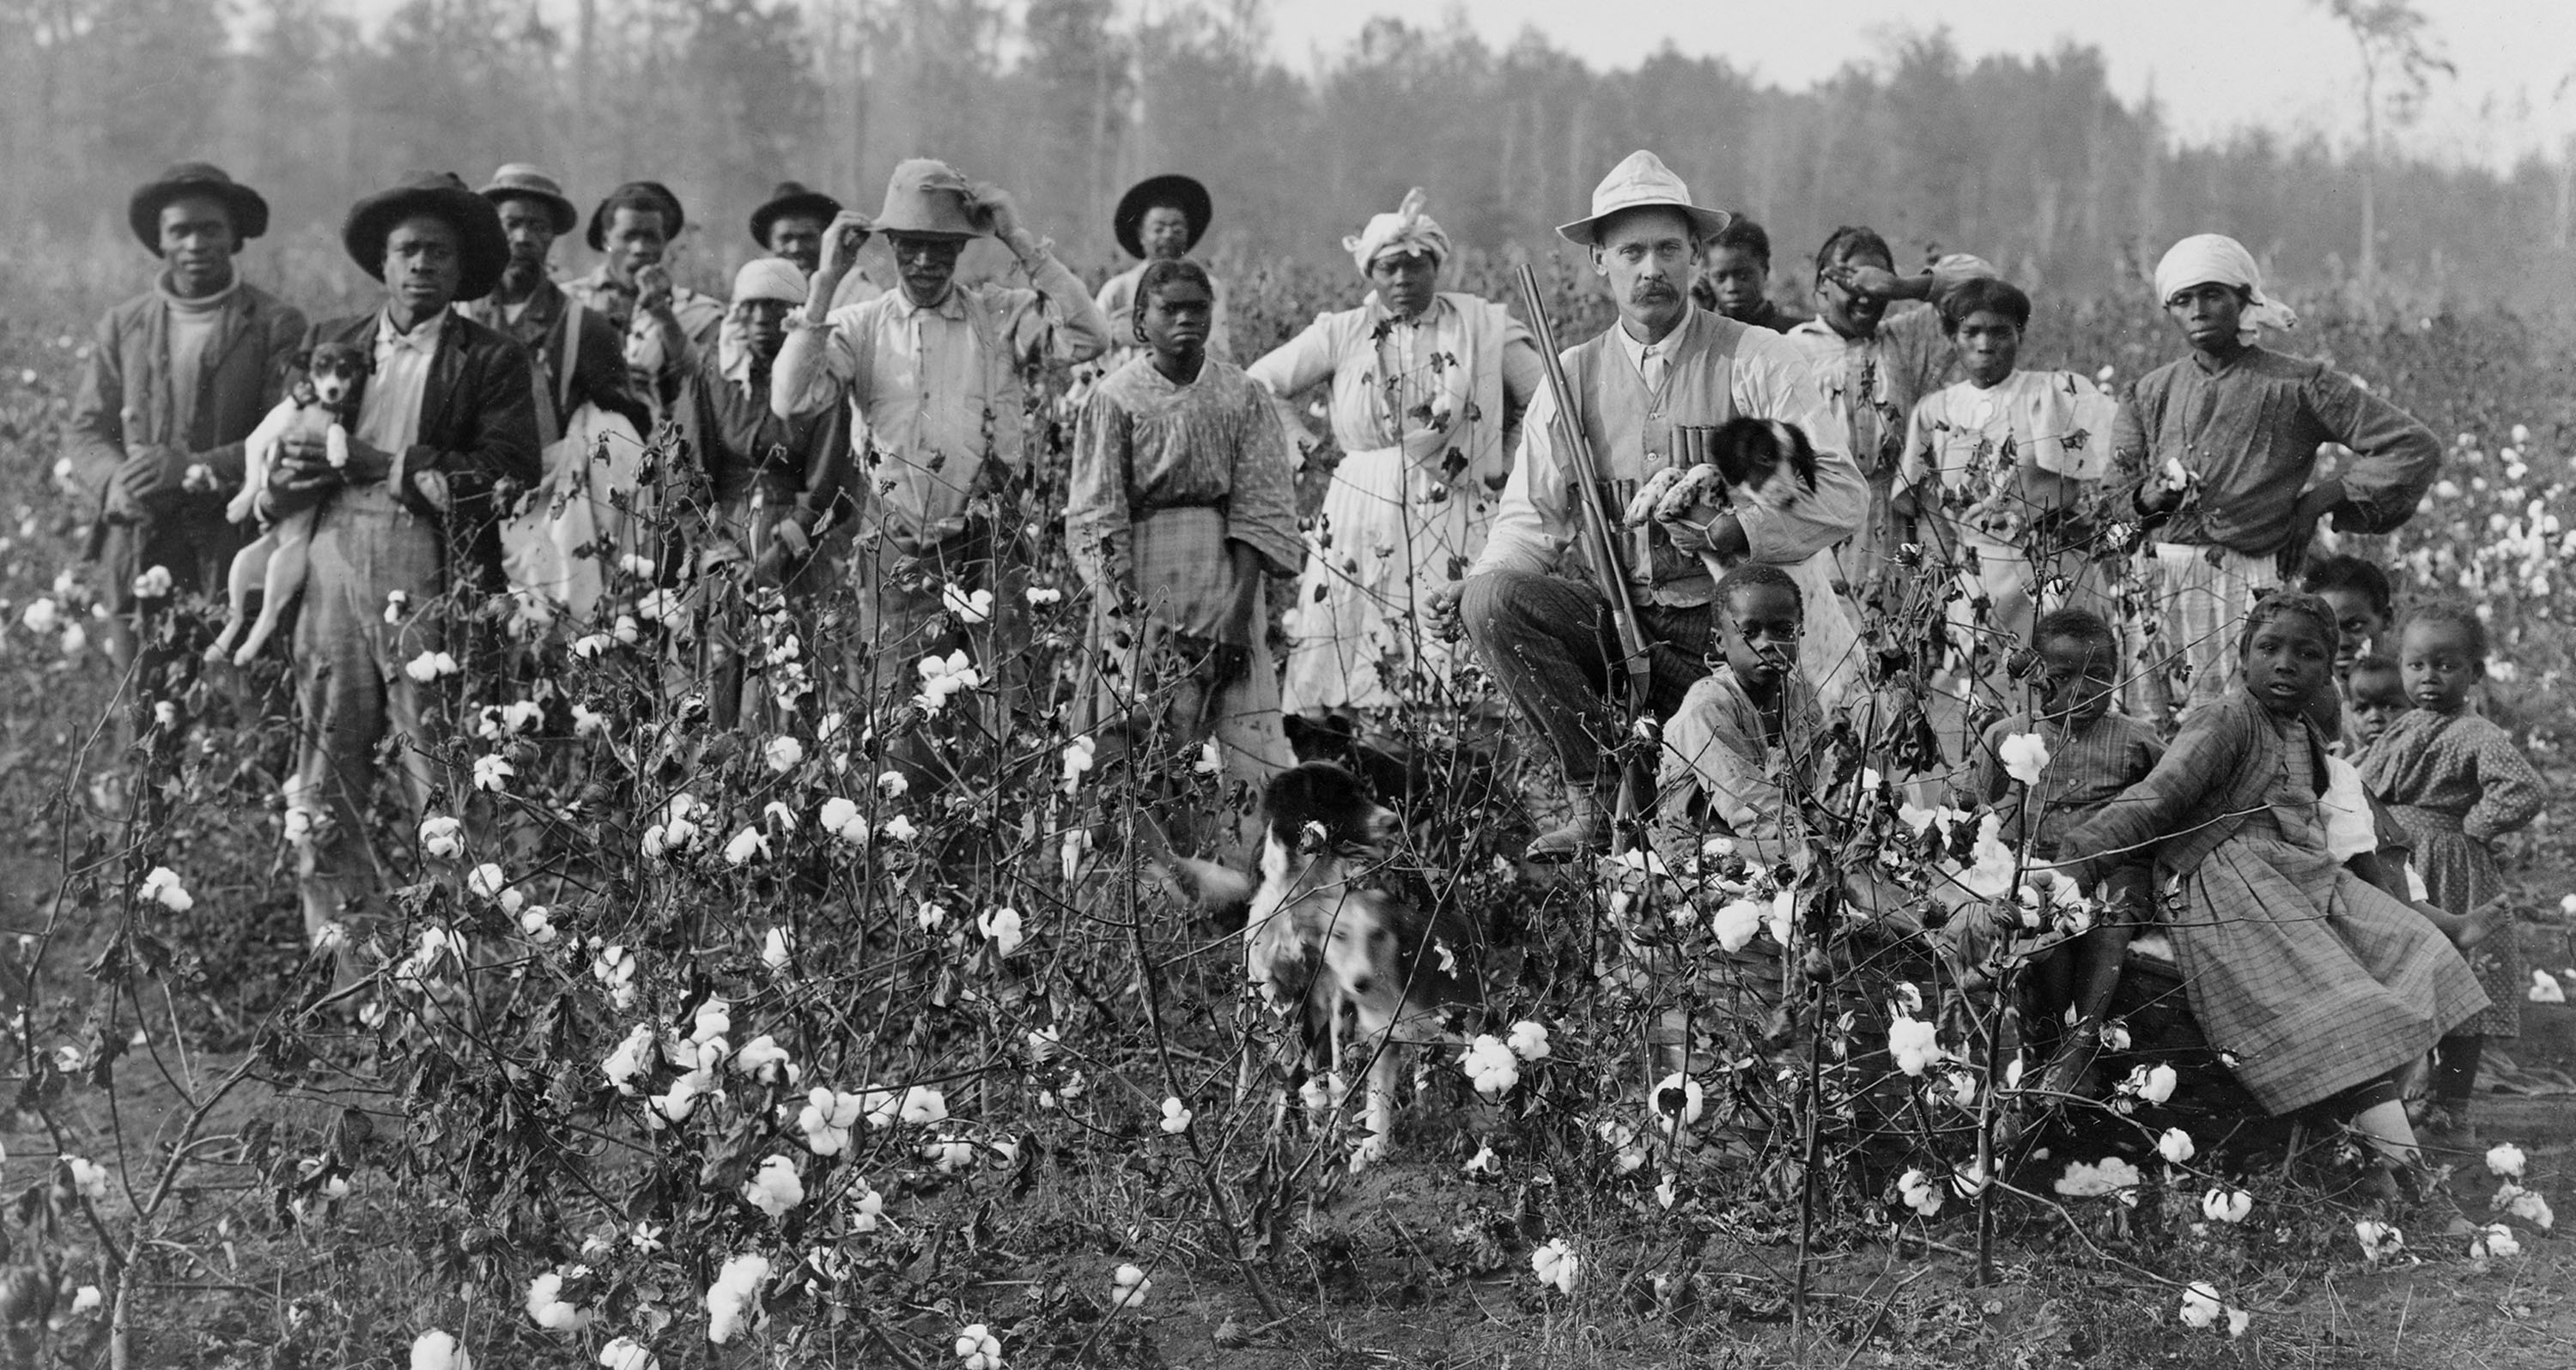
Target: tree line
2032 162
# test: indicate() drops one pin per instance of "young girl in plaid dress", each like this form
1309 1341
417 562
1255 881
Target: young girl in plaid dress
1180 501
2316 985
2456 782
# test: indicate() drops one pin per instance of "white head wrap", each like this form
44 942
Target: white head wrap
762 278
1408 229
2204 258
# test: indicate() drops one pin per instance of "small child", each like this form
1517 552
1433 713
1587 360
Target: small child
2317 985
1996 470
1180 500
2374 695
2094 756
1720 768
2365 607
2456 781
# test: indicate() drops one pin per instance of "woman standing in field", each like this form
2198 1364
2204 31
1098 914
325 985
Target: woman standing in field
1428 387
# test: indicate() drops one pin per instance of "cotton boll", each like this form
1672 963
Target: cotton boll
1556 1265
2024 757
2506 1159
2176 1146
436 1350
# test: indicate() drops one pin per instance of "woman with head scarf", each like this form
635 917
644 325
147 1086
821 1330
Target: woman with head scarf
2218 454
1427 391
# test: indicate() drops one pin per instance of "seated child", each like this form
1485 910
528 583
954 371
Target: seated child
1717 773
2319 987
2456 781
1996 472
2094 755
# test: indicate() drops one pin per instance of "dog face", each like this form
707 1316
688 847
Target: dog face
1764 460
337 375
1320 809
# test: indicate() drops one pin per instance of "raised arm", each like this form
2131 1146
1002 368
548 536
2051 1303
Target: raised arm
817 366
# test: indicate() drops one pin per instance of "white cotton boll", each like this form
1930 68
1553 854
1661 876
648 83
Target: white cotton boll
630 1060
782 754
2379 1241
2495 1241
1002 928
968 606
747 845
547 1309
2524 1204
2154 1084
1176 1117
2545 988
1556 1265
892 785
486 881
733 1301
840 817
774 950
161 886
977 1348
930 917
1676 1100
536 924
1042 595
2506 1159
2024 757
41 617
2176 1146
924 1105
75 641
762 1057
774 1188
86 1299
1490 1066
1735 923
1484 1162
1914 1043
492 774
1128 1287
2089 1180
154 583
429 666
2226 1206
1919 1192
2200 1306
442 836
436 1350
898 829
626 1353
1528 1041
89 1179
591 645
949 1154
1077 759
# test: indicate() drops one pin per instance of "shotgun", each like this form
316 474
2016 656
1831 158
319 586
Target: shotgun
1600 548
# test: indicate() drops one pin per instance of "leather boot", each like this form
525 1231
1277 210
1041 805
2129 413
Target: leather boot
1585 831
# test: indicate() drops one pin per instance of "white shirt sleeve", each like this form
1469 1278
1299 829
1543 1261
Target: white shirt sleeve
1773 380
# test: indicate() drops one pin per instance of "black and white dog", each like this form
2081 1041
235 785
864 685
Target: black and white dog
1324 946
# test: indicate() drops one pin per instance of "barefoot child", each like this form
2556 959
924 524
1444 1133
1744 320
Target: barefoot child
2319 987
2094 755
1996 472
1180 502
2456 781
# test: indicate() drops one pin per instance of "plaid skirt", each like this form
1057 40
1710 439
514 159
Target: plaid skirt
1151 676
2460 873
2309 979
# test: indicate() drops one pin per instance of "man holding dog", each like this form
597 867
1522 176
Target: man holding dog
449 417
933 374
1544 633
177 377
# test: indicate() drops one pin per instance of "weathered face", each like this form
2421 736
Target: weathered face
1406 282
531 231
423 264
2208 314
925 265
1853 313
636 239
1737 278
1647 257
198 241
1989 344
799 239
1164 231
1176 318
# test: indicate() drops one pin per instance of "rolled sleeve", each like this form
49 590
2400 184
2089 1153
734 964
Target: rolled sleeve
815 364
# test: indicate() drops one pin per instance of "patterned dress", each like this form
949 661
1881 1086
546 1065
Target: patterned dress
2455 781
2310 980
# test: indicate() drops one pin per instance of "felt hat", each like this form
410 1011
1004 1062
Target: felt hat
1171 192
523 181
482 249
249 212
651 191
1642 181
769 278
926 198
791 197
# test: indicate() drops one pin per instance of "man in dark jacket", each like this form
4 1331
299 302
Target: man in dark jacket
177 377
449 419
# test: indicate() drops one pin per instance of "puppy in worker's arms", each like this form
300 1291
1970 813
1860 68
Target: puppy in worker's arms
1325 945
322 405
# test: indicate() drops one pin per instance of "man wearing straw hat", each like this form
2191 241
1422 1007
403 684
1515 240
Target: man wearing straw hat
789 225
449 415
177 377
932 371
1667 366
537 314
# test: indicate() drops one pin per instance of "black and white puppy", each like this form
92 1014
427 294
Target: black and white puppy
1761 462
1326 947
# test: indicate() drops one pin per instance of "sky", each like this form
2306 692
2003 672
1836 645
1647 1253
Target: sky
2216 66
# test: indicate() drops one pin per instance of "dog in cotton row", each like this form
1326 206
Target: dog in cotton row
325 402
1345 961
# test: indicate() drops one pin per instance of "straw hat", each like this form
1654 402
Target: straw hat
1170 192
249 212
1642 182
926 198
791 197
482 249
523 181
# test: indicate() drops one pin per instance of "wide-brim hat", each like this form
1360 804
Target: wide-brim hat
521 181
926 198
629 193
249 212
482 249
1177 192
1642 181
791 197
